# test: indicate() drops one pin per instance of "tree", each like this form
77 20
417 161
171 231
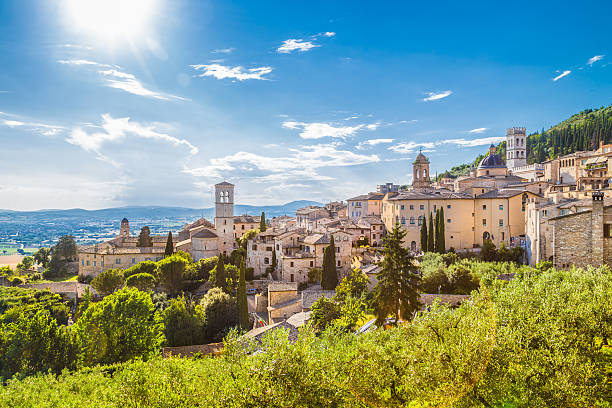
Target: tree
42 256
440 238
218 276
171 271
144 238
461 280
431 244
355 285
169 245
323 312
184 323
397 290
329 277
62 253
141 281
314 275
243 306
149 267
274 261
120 328
488 252
262 222
424 235
26 263
220 313
437 231
202 268
108 281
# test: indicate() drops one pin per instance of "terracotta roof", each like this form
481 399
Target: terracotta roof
198 223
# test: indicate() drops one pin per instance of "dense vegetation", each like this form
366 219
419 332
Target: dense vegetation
582 131
536 341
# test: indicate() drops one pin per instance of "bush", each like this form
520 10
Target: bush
141 281
314 275
85 278
149 267
171 271
323 312
108 281
220 313
460 280
201 269
184 323
17 280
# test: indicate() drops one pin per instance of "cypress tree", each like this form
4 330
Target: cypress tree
274 261
441 234
437 231
262 222
424 235
329 278
243 305
431 244
219 279
169 245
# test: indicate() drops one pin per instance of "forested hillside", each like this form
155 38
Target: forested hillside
582 131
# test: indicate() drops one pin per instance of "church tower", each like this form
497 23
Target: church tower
516 147
124 230
420 173
224 216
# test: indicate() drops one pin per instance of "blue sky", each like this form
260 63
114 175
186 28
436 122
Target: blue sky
105 104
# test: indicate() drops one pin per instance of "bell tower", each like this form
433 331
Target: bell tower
420 173
124 230
224 216
516 147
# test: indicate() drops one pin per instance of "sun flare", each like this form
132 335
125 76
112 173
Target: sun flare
111 20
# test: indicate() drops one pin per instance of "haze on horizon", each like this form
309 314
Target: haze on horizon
107 103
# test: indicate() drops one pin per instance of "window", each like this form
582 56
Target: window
484 222
484 207
87 263
291 277
338 263
402 207
403 221
337 249
242 226
266 261
421 220
422 207
448 220
607 230
133 260
411 207
448 206
94 263
117 261
501 207
503 236
435 208
311 264
412 220
82 262
254 247
102 264
291 263
501 222
397 219
269 249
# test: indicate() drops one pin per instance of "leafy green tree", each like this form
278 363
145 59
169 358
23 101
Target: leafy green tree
26 263
323 312
274 261
355 285
171 273
184 323
42 256
169 245
431 244
461 280
488 252
202 268
262 222
35 344
220 313
433 275
243 306
63 252
329 276
424 235
85 301
218 277
121 327
397 290
236 256
108 281
244 240
141 281
149 267
144 238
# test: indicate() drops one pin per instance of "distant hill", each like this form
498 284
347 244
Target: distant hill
582 131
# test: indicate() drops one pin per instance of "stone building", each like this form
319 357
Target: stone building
516 147
364 205
244 223
259 253
420 173
224 217
585 237
310 216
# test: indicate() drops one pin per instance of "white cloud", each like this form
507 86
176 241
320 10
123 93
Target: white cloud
410 147
563 74
408 121
477 130
329 34
42 128
594 59
292 44
316 130
128 83
115 130
475 142
434 96
373 142
223 50
224 72
83 62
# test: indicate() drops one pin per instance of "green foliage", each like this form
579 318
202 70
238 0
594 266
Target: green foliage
169 250
236 256
16 303
250 234
218 277
488 252
122 327
42 256
35 343
141 281
63 252
144 238
274 261
329 275
243 306
249 274
220 313
323 312
433 273
441 235
355 285
184 323
461 280
6 271
262 222
201 269
314 275
431 230
424 236
396 292
27 262
108 281
149 267
171 271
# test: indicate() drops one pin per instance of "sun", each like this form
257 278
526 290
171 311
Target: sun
111 20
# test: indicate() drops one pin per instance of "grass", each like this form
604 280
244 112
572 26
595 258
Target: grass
71 278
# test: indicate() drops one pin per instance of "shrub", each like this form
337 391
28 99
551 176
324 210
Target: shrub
220 313
17 280
149 267
171 270
141 281
323 312
201 269
85 278
108 281
314 275
461 280
184 323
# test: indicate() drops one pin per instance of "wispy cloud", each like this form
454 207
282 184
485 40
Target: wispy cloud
477 130
223 50
561 75
318 130
329 34
475 142
237 73
372 142
411 147
115 130
594 59
14 121
434 96
85 62
296 44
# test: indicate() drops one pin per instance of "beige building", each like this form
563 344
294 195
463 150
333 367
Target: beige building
364 205
310 217
244 223
259 253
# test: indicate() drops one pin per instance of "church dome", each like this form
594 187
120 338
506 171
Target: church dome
492 161
421 158
124 221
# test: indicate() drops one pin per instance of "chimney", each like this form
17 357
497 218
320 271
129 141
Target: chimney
597 228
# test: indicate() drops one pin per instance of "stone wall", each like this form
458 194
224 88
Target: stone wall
188 351
572 240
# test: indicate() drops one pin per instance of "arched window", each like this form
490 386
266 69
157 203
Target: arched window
424 173
421 219
412 220
403 221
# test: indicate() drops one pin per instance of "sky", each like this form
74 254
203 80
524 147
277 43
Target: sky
107 103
